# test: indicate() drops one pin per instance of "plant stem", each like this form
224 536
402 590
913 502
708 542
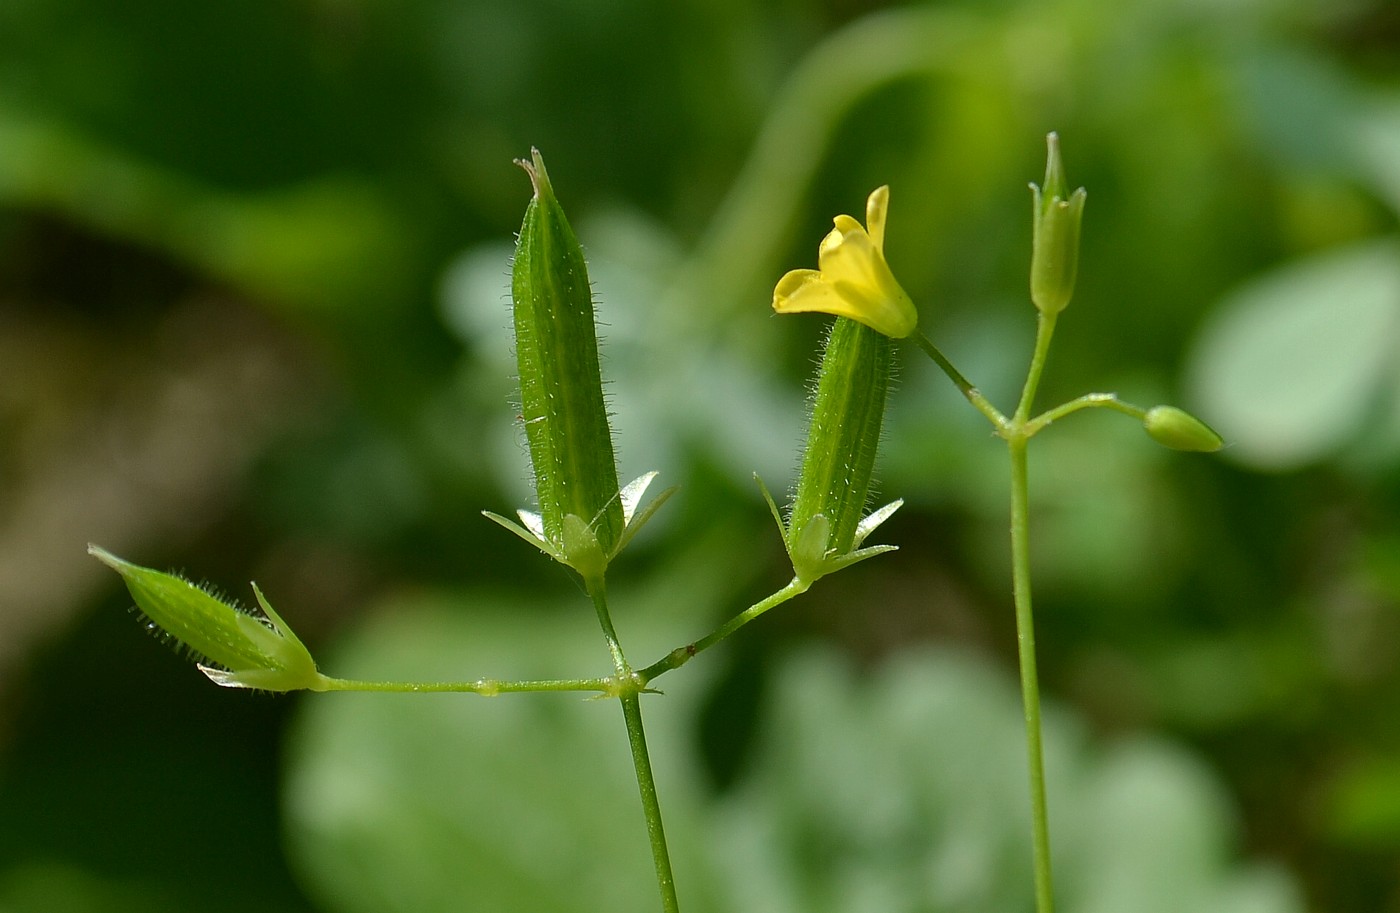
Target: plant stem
1017 437
484 686
974 396
1030 686
597 592
630 687
651 806
681 655
1044 330
1087 401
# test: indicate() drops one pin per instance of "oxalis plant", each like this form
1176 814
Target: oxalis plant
583 517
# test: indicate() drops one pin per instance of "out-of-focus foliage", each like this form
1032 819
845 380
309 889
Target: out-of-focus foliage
253 267
903 790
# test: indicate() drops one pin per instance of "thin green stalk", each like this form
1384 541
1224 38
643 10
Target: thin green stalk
630 686
484 686
1017 437
1017 431
1030 686
1087 401
651 806
964 386
597 591
1044 330
682 655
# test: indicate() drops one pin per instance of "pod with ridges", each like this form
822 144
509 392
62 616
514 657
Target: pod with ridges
827 522
234 648
561 392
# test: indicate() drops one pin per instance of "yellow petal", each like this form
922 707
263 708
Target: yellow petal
854 279
849 255
885 309
846 225
789 285
875 208
804 290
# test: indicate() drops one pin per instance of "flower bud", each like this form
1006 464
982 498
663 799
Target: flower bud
234 648
561 388
1055 235
1179 430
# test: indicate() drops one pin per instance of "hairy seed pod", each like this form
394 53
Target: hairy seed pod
561 389
848 410
235 648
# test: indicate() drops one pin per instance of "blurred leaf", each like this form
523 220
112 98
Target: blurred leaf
1364 805
901 792
1289 367
333 242
906 792
54 888
1375 134
1301 104
443 803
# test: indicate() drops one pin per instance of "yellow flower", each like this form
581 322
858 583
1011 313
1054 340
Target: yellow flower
854 280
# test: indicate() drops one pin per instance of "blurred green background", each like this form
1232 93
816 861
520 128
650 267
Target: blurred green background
253 276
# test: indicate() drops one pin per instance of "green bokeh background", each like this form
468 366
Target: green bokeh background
253 276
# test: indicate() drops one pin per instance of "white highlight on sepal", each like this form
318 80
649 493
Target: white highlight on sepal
580 549
811 559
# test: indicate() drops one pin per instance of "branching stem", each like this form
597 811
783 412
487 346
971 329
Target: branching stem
1017 431
484 686
965 387
682 655
630 690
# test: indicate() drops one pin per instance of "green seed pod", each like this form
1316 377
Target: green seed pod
1055 235
1180 430
847 413
233 647
561 388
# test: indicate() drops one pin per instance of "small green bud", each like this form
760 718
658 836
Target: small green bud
234 648
1054 235
827 524
1180 430
561 388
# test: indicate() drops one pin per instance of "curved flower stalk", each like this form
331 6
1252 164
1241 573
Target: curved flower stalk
853 279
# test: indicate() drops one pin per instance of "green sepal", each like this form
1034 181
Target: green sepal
532 531
582 551
561 390
1056 218
809 553
573 548
631 497
233 647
